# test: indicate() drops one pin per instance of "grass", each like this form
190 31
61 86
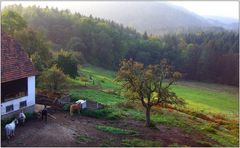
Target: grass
208 100
205 143
140 143
103 78
114 130
84 139
205 97
96 95
224 138
107 113
106 143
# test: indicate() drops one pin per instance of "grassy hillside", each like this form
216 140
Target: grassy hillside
202 100
204 97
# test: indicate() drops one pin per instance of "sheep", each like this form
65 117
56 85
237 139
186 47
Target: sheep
22 117
10 128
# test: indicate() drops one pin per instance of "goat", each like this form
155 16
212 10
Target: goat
73 107
22 118
10 128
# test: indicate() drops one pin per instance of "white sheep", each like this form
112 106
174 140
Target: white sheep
22 117
10 128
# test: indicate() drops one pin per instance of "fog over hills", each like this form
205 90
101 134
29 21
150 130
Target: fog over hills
226 22
156 17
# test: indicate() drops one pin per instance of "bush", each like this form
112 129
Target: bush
52 79
67 62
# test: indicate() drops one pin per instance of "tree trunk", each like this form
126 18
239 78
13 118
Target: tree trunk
148 120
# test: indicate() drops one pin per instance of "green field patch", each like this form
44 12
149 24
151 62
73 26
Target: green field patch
95 95
114 130
205 97
100 77
207 100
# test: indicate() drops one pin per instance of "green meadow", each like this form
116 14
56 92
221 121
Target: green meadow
208 99
202 97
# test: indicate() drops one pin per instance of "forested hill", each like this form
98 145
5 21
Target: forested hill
99 41
156 18
202 56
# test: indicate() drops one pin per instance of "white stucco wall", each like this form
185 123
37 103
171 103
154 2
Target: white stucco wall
30 98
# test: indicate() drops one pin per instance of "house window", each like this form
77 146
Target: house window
14 89
23 104
9 108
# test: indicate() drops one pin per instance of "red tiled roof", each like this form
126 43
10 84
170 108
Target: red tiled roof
15 63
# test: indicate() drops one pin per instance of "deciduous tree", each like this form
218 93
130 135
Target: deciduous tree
67 63
149 85
12 21
52 79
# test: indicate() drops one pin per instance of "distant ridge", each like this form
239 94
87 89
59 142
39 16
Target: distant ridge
154 17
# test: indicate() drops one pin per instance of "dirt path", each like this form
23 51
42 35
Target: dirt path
81 131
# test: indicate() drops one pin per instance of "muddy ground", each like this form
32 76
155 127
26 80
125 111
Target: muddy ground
81 131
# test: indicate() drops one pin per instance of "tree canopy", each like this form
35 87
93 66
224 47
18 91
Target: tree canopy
67 62
200 56
12 21
149 84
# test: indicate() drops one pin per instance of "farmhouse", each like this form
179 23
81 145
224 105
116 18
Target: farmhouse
17 78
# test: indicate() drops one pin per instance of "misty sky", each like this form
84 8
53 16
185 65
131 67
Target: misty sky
204 8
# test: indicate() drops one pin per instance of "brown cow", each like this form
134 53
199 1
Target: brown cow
75 106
